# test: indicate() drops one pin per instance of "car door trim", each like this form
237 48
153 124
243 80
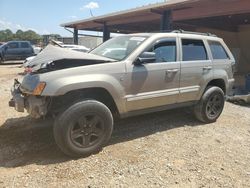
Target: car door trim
161 93
152 94
189 89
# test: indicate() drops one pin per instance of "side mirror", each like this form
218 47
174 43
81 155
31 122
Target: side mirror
145 57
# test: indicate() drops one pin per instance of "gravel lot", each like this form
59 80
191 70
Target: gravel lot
166 149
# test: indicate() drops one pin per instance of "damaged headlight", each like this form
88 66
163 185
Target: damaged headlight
32 84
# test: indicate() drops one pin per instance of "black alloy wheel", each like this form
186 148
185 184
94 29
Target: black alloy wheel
211 105
214 105
83 128
87 131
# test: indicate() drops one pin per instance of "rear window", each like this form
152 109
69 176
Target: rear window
193 50
24 45
218 51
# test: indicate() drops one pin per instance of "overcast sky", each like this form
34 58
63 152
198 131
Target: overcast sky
45 16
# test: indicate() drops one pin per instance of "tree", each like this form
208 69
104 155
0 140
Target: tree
19 33
7 35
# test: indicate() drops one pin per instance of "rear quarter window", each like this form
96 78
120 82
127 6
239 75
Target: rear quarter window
193 50
218 51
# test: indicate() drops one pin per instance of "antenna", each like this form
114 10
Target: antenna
91 13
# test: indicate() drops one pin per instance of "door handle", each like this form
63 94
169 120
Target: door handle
207 68
172 71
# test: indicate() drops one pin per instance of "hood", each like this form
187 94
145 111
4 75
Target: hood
58 58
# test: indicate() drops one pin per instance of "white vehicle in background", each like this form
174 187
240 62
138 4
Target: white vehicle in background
37 49
26 64
70 46
76 47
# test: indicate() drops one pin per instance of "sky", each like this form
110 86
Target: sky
45 16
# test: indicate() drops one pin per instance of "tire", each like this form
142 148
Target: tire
1 60
83 128
211 105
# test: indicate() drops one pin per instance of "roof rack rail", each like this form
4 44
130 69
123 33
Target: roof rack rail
191 32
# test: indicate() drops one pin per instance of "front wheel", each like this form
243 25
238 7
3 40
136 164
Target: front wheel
83 128
211 105
1 60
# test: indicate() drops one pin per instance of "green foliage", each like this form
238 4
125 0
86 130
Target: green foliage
8 35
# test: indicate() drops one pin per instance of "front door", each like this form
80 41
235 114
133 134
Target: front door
156 83
12 51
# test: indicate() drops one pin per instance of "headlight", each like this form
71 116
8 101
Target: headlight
39 88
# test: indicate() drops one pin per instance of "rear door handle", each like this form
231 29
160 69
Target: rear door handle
172 71
207 68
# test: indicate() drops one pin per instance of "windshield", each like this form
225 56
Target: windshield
118 48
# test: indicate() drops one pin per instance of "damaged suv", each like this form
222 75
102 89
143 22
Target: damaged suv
127 75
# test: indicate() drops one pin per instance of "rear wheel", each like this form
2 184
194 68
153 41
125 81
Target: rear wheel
211 105
83 128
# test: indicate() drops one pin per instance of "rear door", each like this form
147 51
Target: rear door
196 68
25 50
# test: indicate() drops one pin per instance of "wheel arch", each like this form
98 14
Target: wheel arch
97 93
219 83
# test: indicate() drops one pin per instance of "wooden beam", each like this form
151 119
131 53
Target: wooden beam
212 9
143 18
75 36
166 21
106 33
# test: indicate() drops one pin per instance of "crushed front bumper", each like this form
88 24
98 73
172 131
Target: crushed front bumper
17 100
36 106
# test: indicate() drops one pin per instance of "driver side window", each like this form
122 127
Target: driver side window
13 45
165 51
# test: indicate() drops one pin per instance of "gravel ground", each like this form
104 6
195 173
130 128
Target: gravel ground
166 149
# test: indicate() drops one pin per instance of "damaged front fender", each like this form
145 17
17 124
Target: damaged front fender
36 106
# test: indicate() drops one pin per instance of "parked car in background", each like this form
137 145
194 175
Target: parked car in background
37 49
16 50
26 63
70 46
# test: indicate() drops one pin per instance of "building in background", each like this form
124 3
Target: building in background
87 41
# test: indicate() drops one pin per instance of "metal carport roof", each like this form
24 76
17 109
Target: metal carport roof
118 20
148 18
172 14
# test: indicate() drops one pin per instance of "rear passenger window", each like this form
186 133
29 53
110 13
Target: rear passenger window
193 50
218 50
13 45
24 45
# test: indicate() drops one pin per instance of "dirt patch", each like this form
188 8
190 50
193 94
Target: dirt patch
166 149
